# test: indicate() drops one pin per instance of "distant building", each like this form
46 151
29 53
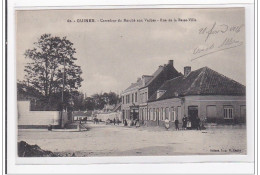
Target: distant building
108 108
82 115
202 93
134 98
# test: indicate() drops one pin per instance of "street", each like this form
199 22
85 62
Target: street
110 140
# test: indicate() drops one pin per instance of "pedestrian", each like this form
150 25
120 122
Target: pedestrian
117 121
49 127
176 124
114 121
198 123
202 124
131 122
188 123
167 123
125 122
137 124
184 123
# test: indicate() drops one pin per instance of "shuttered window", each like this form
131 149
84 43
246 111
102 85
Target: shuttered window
228 112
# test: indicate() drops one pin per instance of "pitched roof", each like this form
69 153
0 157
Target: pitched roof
162 74
203 81
155 74
139 83
117 107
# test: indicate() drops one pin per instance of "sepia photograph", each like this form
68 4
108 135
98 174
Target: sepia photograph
131 82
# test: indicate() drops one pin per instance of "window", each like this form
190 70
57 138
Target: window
145 116
211 111
167 113
172 114
154 114
132 98
136 97
163 114
145 97
157 114
150 114
123 99
228 112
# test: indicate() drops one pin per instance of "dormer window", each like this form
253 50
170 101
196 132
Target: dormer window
160 93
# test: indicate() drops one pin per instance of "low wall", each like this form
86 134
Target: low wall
39 119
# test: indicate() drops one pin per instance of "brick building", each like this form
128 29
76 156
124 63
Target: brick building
134 98
201 93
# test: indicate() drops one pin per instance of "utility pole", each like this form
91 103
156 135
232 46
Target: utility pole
62 93
63 83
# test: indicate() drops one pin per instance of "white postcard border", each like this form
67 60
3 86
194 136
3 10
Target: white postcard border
14 163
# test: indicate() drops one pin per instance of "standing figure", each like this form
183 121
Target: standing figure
117 121
188 123
176 124
125 122
184 122
114 121
198 123
167 123
137 124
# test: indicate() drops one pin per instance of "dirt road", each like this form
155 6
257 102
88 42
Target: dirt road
110 140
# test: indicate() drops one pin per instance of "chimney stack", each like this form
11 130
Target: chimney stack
170 62
187 70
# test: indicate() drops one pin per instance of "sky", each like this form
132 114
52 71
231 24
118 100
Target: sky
112 55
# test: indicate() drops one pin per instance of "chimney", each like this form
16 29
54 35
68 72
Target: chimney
170 62
138 79
187 70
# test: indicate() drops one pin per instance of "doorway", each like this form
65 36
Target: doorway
193 114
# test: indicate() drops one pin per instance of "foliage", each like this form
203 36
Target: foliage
99 100
49 59
40 103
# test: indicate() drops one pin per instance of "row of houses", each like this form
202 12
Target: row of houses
169 94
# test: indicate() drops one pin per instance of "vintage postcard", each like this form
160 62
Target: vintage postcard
131 82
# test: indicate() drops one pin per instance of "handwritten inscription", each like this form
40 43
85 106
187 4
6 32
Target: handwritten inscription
213 33
219 29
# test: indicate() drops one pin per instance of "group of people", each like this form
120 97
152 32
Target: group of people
116 121
187 123
132 122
